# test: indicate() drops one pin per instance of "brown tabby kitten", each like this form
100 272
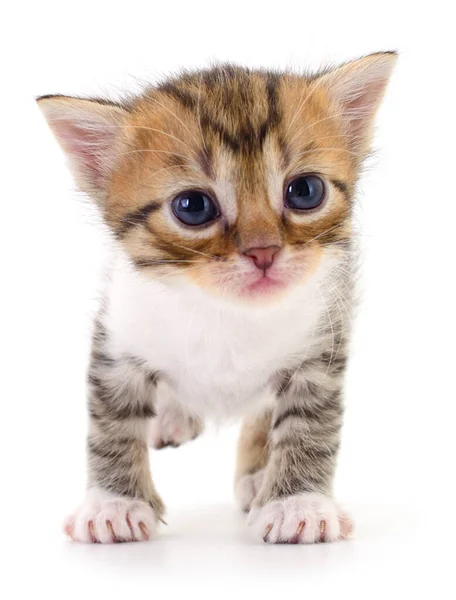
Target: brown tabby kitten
229 193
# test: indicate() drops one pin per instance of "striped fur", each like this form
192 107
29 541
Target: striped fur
189 329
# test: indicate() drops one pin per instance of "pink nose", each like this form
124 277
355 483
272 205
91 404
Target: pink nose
262 257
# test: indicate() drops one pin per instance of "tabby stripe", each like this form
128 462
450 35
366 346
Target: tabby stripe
331 408
119 446
313 452
109 408
340 185
310 483
143 411
137 217
99 331
114 467
295 412
100 357
152 377
183 97
297 485
120 485
273 117
233 143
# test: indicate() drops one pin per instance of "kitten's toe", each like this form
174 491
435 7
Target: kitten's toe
246 488
301 519
172 428
107 519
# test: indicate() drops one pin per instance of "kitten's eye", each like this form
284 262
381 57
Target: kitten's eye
305 193
194 208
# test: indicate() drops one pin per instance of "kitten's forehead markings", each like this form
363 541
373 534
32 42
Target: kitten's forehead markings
232 107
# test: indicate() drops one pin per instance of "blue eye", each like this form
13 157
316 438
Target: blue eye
194 208
305 193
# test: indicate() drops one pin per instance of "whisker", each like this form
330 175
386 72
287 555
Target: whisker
336 115
196 251
162 132
341 281
331 326
177 272
337 135
322 233
153 151
146 262
340 296
343 303
148 179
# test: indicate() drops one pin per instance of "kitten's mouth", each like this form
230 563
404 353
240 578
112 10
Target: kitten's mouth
264 285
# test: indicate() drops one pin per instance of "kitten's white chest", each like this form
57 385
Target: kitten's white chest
215 358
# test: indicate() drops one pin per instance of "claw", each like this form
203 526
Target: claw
299 530
322 531
267 532
93 538
114 537
130 526
144 530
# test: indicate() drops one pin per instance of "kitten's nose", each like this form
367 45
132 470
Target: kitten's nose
262 257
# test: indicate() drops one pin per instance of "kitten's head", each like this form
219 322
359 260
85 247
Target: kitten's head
238 181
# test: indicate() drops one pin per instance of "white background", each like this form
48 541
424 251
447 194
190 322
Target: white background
396 470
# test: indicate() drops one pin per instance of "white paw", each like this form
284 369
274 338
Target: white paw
301 519
107 519
172 428
246 488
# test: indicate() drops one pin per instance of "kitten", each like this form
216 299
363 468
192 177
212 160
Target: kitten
229 193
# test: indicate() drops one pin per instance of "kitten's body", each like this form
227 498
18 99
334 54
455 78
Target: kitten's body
230 195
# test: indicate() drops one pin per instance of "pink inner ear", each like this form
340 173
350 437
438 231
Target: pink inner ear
366 98
90 146
360 106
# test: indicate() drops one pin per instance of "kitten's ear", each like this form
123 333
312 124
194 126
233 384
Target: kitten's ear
358 88
91 134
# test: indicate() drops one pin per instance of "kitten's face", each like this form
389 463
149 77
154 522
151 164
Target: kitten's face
238 182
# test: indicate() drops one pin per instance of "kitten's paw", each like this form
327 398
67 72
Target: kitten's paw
107 519
172 428
246 488
301 519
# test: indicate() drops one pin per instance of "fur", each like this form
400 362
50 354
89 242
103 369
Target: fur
192 326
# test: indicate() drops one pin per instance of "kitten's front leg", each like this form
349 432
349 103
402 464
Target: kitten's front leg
294 504
121 502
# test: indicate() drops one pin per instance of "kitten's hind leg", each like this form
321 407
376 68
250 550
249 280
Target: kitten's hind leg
252 457
171 426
